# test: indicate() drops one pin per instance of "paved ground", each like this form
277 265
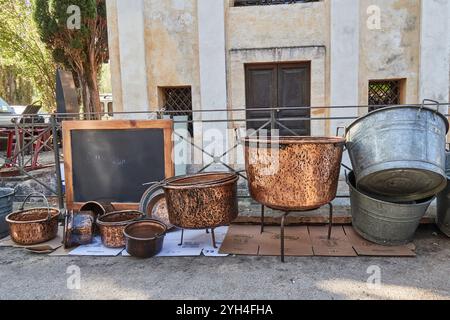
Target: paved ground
28 276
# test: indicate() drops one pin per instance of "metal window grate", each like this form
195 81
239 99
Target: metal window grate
384 93
244 3
179 99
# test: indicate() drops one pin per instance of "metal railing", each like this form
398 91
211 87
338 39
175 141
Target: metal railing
48 136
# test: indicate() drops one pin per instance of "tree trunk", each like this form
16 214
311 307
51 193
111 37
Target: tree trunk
94 94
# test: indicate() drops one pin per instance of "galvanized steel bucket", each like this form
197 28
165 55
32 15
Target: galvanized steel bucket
399 152
443 202
382 222
6 207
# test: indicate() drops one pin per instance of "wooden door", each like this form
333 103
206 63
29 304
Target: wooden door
261 93
279 86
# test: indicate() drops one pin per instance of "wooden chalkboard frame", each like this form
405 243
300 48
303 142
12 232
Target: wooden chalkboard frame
69 126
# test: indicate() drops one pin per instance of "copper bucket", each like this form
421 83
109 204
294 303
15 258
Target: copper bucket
33 226
202 201
79 228
293 173
113 224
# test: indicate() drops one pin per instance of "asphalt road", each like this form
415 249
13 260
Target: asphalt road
25 275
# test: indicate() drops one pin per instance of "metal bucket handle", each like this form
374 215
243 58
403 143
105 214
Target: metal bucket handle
21 208
339 129
432 101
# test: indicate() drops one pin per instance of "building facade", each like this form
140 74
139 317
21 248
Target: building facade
249 54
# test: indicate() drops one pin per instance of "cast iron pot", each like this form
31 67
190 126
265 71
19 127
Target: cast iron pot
145 238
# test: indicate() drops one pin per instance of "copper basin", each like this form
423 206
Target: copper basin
293 173
202 201
113 224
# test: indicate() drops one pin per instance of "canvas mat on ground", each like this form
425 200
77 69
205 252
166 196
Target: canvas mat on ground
304 241
196 242
45 247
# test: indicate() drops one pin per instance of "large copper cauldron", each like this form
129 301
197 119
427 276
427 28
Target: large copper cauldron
202 201
293 173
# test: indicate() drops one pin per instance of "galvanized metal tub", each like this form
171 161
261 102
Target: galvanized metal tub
6 207
399 152
443 210
382 222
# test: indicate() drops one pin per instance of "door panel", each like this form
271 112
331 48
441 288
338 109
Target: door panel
261 93
294 91
279 86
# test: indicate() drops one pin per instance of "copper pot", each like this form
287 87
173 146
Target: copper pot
33 226
293 173
79 228
144 239
202 201
112 225
98 208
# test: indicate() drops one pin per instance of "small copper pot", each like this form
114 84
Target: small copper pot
113 224
79 228
98 208
33 226
145 238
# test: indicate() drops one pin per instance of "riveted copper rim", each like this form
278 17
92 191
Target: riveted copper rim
304 176
202 201
294 140
144 226
33 226
35 215
204 180
119 218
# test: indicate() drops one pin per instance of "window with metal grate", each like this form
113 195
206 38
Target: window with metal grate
245 3
178 100
383 93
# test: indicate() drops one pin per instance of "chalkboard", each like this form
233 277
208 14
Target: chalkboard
110 161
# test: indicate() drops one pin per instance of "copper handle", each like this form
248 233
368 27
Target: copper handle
38 194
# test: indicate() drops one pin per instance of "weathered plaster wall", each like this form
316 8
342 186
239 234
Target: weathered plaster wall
132 52
171 33
393 52
213 86
435 50
279 33
114 54
344 60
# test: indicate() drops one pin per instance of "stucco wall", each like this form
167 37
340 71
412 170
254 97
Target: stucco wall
295 32
278 25
171 31
393 51
279 33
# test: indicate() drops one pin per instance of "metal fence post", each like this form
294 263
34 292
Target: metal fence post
59 186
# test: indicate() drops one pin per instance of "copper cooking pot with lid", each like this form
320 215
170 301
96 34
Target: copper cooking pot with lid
293 173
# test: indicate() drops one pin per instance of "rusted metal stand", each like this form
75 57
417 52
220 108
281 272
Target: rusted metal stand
283 222
213 238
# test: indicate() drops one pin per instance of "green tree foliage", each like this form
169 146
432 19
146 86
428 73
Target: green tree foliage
76 32
14 88
23 56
